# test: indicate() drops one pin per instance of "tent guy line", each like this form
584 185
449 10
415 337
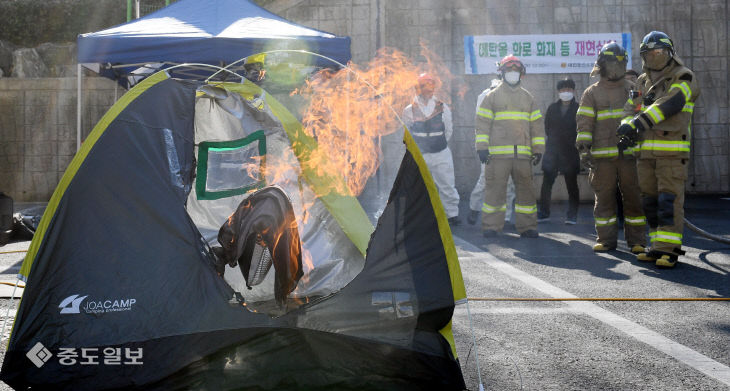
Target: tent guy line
659 342
599 298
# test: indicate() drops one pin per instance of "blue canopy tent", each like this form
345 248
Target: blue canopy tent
215 32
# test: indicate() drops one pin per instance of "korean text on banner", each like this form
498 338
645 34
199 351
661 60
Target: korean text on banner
549 53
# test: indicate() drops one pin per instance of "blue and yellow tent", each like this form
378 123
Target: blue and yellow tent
121 290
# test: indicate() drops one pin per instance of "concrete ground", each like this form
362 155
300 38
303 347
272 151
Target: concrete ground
595 345
579 345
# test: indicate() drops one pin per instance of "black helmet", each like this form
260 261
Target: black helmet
611 51
656 40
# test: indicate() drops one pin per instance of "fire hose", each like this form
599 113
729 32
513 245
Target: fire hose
706 234
626 142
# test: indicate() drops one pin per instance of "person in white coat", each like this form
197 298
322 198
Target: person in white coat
429 121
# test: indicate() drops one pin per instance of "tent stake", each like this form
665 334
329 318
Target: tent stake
7 312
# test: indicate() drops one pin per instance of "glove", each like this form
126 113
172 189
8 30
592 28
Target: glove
627 135
484 156
536 157
625 142
627 129
586 160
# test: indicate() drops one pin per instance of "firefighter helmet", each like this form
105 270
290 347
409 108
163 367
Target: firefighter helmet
255 58
424 78
510 61
611 52
656 40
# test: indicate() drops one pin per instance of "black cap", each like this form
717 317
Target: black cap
567 83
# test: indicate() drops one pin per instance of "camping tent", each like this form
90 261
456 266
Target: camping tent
217 32
121 286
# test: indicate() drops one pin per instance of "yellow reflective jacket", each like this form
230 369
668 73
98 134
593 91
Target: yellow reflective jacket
509 124
665 118
599 114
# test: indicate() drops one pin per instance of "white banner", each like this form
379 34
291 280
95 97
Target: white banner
545 53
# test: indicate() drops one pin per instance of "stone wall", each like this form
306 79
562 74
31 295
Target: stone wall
699 29
38 130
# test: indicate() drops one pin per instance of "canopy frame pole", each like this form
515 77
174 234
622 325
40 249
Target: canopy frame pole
78 106
7 312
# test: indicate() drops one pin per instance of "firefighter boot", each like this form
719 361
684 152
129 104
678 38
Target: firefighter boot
602 248
667 261
637 249
645 257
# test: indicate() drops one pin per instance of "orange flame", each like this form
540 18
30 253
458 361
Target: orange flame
350 110
348 113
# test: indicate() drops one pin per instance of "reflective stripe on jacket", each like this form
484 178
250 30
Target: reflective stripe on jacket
599 114
667 117
509 124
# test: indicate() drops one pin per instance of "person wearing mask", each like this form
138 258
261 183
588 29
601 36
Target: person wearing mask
600 112
560 152
509 136
476 198
430 124
665 95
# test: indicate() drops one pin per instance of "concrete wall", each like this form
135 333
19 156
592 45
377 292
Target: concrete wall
699 29
38 131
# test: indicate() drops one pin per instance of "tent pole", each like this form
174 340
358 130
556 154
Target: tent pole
347 126
7 312
476 347
78 107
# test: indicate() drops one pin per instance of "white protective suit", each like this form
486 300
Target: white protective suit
441 164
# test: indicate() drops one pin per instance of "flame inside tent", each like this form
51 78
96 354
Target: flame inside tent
124 263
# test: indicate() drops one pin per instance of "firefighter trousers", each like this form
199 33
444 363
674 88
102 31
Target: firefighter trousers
476 198
662 184
496 174
605 177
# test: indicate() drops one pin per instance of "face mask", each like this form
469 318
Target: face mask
656 60
615 70
512 77
565 96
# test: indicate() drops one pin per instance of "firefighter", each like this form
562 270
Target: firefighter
254 67
476 198
600 112
509 136
665 97
429 121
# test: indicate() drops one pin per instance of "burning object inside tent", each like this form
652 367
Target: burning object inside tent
261 232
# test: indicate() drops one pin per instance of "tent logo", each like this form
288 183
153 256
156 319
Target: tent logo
70 305
38 355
